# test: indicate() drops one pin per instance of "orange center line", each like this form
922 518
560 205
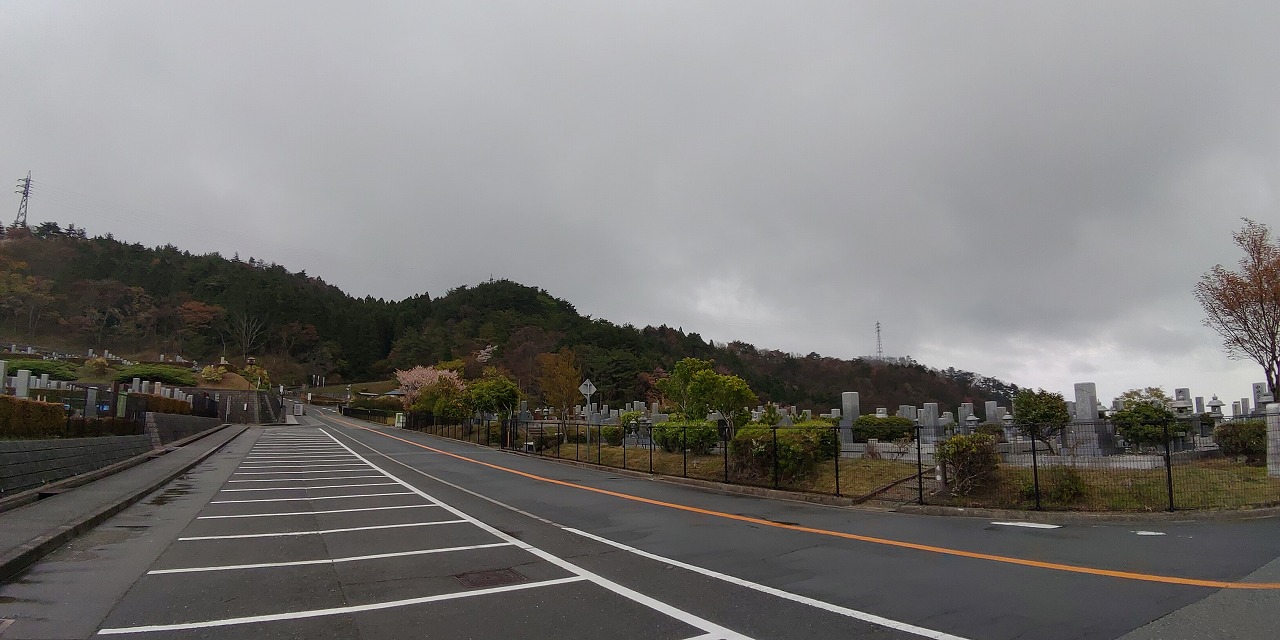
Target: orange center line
1127 575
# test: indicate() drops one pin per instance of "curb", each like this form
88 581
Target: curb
14 562
1094 517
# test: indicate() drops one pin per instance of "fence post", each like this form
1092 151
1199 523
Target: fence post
684 451
577 435
919 468
1035 469
624 447
650 449
1168 464
836 432
775 457
599 443
724 445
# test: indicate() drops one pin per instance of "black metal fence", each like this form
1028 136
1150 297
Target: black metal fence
1085 466
1093 466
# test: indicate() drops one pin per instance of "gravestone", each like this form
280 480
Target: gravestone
929 430
4 371
1071 409
785 421
146 387
1244 407
806 415
22 383
1200 404
882 412
44 381
1273 440
136 387
1261 395
1086 406
966 410
990 412
91 402
849 409
1235 409
947 419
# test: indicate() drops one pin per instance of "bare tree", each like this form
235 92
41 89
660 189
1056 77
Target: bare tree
1244 306
248 332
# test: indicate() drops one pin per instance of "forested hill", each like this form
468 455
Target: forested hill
66 290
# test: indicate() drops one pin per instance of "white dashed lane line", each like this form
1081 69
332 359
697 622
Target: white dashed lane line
1029 525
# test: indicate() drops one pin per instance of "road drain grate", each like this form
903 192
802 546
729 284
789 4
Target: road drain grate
487 579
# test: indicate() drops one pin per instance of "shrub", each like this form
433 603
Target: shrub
885 429
29 419
991 429
99 366
698 438
56 369
1144 423
1065 485
161 404
1247 438
971 461
257 376
158 373
212 374
799 450
612 434
627 417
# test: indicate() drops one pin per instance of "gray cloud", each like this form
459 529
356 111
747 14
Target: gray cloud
1028 190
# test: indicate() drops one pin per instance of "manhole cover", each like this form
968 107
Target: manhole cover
486 579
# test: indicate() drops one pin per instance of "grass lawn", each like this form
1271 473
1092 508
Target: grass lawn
1214 483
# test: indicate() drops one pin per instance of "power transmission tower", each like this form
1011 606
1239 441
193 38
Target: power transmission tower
879 347
24 188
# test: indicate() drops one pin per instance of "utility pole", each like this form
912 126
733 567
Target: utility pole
24 188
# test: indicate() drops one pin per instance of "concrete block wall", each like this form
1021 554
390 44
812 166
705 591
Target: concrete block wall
164 428
25 464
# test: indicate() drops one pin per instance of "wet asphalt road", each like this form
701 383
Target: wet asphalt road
328 530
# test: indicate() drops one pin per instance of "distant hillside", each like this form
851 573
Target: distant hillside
67 289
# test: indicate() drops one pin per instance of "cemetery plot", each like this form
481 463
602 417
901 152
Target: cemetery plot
309 539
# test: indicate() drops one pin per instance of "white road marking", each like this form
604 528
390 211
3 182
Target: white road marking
1149 533
316 613
1029 525
786 595
263 473
309 513
281 534
276 465
357 495
323 486
826 606
630 594
299 563
308 479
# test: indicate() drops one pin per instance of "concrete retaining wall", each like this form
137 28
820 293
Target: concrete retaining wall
25 464
164 428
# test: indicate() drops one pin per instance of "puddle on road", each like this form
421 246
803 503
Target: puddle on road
172 493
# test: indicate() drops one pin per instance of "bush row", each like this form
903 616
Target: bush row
158 373
1246 439
30 419
56 369
798 452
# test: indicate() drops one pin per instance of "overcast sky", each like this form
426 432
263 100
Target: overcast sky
1028 190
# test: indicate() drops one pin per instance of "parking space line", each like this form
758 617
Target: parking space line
282 534
599 580
299 563
306 479
309 513
275 465
323 486
316 613
264 473
358 495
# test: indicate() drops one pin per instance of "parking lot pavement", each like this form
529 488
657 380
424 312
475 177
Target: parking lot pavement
309 539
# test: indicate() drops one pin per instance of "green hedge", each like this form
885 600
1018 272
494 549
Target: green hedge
799 450
699 438
1247 439
161 404
30 420
56 369
885 429
380 403
158 373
